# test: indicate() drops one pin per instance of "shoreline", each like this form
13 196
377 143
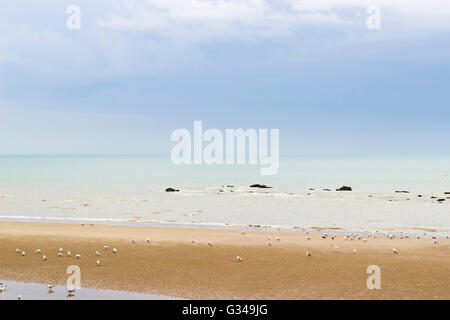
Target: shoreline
410 231
172 265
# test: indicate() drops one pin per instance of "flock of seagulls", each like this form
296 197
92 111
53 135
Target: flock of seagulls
68 254
347 237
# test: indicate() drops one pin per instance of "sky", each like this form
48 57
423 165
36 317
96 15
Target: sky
137 70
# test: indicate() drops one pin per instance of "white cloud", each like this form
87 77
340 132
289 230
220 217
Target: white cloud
206 18
265 18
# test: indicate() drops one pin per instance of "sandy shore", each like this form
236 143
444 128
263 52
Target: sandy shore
173 265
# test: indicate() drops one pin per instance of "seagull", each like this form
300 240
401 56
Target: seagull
133 241
210 244
238 259
308 254
106 247
60 254
68 253
308 238
2 287
394 250
44 257
50 288
23 253
193 241
98 262
19 297
278 239
114 250
70 292
268 244
418 237
97 253
18 250
148 240
60 250
38 251
435 241
354 250
78 256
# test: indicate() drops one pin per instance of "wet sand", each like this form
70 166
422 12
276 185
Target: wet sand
173 265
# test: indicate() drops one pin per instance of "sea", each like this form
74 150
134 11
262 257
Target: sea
389 194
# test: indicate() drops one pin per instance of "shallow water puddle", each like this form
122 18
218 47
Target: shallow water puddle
38 291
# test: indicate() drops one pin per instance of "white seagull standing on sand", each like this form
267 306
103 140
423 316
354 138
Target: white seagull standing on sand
133 241
106 247
44 257
98 262
23 253
97 253
395 251
308 254
148 240
268 244
38 251
114 250
60 250
278 239
238 259
60 254
18 250
78 256
68 253
308 238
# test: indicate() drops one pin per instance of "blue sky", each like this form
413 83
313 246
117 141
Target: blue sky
137 70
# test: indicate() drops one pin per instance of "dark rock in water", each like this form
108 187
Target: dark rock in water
326 190
344 188
261 186
171 190
401 191
440 200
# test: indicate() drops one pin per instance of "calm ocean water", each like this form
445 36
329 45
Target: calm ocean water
131 189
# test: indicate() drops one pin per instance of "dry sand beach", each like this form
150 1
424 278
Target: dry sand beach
179 262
